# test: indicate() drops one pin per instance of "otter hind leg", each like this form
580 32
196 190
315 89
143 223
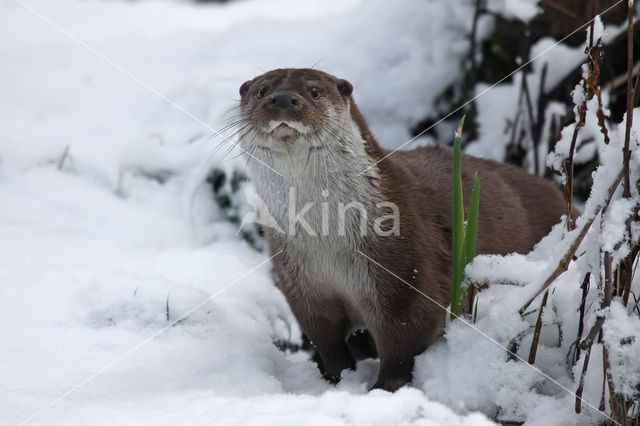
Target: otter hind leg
399 341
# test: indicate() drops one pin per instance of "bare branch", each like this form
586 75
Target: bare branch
630 96
536 333
566 259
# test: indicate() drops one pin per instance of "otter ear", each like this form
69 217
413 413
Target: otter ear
344 87
245 87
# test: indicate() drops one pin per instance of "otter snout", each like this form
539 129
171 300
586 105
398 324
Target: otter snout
283 100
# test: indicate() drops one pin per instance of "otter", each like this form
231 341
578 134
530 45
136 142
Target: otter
369 233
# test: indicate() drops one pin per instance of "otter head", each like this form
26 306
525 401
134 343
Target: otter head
287 107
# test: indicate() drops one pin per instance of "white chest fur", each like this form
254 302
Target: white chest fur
323 203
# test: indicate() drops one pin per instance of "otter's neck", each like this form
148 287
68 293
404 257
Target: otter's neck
336 172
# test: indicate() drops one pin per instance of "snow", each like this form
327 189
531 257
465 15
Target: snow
127 295
509 269
523 10
622 331
599 33
493 111
119 271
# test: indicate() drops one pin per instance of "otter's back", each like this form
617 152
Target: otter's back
517 209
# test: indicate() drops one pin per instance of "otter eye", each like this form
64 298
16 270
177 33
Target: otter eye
262 91
314 93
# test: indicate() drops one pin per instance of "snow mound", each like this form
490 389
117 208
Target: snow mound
134 302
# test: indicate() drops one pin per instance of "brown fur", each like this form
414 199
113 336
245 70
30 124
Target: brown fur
516 211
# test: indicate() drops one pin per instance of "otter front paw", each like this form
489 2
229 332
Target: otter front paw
333 379
393 378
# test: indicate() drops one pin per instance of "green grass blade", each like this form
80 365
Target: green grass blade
471 232
458 225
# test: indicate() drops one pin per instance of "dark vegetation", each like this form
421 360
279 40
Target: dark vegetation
507 48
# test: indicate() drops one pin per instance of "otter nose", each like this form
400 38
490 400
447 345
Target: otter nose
283 100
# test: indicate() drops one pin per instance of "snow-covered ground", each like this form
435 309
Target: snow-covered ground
127 298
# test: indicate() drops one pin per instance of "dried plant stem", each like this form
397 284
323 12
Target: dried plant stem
560 8
63 158
608 280
630 259
554 307
568 187
474 30
604 382
536 333
583 303
537 128
535 122
596 330
554 136
593 333
514 345
630 96
628 273
594 10
591 89
566 259
614 403
585 366
582 113
636 68
587 345
564 262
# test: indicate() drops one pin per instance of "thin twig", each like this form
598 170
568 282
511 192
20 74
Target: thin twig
63 158
566 259
593 333
532 122
592 58
630 259
583 302
474 37
536 333
596 330
585 366
627 278
537 129
608 279
627 136
621 80
568 187
535 121
636 68
614 404
560 8
514 345
605 371
554 307
636 306
554 137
